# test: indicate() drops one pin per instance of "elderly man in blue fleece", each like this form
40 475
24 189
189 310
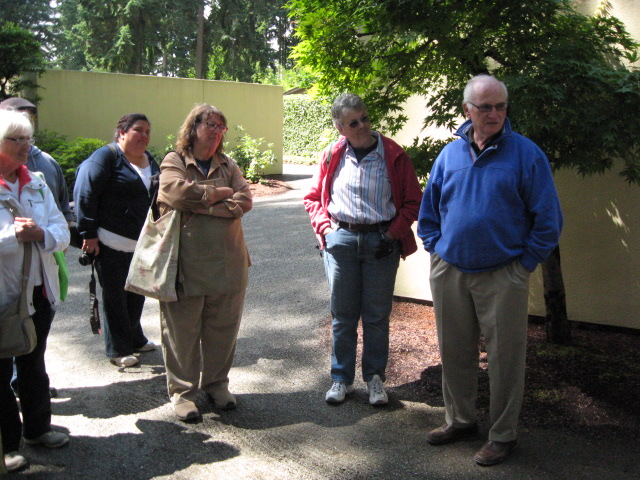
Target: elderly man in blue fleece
489 215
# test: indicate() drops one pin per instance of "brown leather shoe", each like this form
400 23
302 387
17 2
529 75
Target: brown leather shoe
186 411
494 452
447 434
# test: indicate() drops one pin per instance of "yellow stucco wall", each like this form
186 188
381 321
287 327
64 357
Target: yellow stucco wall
89 105
600 243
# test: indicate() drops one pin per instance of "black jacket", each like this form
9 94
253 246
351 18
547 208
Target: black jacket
110 194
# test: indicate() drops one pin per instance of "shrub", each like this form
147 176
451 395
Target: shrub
50 142
250 158
308 128
159 153
72 154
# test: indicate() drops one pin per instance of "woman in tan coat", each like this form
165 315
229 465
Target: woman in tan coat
202 326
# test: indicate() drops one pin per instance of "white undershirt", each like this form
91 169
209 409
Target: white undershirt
118 242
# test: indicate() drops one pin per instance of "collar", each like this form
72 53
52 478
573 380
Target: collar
466 130
379 149
24 177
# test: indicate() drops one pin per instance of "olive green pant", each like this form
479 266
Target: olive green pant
494 303
199 331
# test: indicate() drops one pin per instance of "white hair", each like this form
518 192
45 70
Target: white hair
14 122
468 89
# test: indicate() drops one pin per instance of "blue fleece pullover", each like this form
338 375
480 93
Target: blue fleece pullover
482 215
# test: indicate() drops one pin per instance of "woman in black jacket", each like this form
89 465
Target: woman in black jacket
112 195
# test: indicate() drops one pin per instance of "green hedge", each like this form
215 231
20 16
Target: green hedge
307 126
69 154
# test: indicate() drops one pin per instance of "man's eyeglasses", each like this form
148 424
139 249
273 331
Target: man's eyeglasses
355 123
486 108
21 140
215 127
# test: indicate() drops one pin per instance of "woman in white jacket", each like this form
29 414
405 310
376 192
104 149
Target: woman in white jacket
41 223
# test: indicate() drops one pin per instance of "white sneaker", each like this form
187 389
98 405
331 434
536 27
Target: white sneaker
50 439
147 347
14 461
337 392
377 395
128 361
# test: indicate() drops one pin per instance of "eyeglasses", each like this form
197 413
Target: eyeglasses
354 123
215 127
21 140
486 108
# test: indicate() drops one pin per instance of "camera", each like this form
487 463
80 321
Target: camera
85 259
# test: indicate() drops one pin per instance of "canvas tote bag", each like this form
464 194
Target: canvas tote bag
154 266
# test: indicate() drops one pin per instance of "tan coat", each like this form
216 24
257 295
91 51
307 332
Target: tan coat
213 255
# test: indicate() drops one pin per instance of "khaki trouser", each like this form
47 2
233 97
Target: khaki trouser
195 330
494 303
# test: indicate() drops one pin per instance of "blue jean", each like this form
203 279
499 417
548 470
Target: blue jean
122 309
33 385
361 287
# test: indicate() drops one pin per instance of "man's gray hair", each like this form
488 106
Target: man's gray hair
345 101
468 89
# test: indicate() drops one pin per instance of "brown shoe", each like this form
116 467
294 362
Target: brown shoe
448 434
186 411
494 452
221 397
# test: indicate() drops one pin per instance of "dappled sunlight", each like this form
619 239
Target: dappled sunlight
616 217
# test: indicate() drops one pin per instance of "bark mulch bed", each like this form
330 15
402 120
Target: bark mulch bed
271 185
591 386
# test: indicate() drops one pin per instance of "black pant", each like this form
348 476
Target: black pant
33 384
122 309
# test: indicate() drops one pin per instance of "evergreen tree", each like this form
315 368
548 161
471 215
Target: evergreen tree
20 54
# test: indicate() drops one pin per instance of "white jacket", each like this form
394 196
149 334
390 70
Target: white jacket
37 203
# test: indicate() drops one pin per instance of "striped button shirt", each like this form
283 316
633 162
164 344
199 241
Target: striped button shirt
361 191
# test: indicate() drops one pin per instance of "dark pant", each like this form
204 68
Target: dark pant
122 309
33 384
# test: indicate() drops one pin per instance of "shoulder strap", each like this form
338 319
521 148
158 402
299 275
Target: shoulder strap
14 210
113 149
155 184
114 155
11 207
330 153
26 264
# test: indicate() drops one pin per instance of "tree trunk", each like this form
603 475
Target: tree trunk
556 320
200 42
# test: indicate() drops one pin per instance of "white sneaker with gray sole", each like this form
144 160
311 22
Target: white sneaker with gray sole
377 395
14 461
338 392
50 439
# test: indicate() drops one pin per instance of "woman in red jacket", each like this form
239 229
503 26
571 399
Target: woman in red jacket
362 204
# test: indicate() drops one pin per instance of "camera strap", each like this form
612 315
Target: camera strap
94 315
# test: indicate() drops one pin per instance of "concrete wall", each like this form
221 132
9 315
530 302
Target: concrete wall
600 243
90 104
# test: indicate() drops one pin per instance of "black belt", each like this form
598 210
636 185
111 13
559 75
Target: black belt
360 227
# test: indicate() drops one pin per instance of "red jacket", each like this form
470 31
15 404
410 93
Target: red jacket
405 191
